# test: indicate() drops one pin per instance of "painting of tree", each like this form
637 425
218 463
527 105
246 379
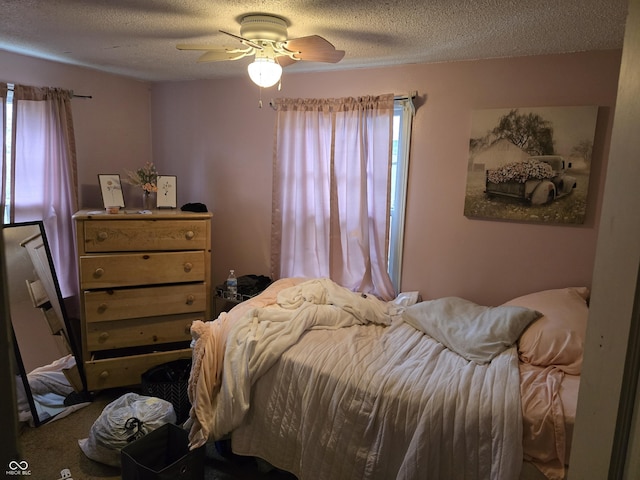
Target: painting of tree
528 131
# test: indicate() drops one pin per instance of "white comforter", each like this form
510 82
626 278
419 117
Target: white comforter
355 399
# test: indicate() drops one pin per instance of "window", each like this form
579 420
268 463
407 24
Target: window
402 120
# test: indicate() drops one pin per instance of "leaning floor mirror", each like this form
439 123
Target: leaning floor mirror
49 382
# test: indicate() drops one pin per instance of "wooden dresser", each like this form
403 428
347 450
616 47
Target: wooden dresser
144 278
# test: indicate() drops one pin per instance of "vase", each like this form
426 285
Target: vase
148 200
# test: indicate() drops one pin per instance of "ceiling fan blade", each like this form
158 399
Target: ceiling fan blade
218 55
245 41
285 61
314 48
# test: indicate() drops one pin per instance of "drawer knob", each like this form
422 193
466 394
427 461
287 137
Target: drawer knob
187 329
189 235
188 266
104 374
190 299
103 235
98 272
102 308
103 337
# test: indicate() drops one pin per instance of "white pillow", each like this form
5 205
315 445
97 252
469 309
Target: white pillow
475 332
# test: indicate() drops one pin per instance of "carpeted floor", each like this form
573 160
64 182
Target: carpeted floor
53 447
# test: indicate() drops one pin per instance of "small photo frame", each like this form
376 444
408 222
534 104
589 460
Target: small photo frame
167 191
111 190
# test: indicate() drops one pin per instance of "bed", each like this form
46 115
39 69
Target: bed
327 383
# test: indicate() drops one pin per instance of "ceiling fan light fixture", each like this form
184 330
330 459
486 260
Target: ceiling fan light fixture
264 72
265 36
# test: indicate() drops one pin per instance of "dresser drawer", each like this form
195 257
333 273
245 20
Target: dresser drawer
144 235
135 332
126 370
109 271
107 305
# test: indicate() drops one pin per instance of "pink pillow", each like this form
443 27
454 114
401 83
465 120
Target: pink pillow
556 338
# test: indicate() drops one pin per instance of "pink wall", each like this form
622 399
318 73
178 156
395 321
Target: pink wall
112 129
215 138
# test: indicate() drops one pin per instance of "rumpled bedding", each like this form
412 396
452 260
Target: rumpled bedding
247 346
209 346
370 402
549 399
300 381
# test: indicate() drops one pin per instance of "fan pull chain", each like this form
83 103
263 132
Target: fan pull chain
260 99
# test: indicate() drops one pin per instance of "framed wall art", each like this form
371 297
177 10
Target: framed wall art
530 164
111 190
167 191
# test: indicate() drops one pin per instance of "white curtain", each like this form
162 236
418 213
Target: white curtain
331 189
44 173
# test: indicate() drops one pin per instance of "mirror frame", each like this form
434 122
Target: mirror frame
22 373
71 336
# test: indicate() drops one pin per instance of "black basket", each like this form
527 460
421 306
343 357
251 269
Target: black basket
162 454
169 381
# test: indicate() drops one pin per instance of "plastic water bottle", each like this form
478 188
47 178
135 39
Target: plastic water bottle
232 284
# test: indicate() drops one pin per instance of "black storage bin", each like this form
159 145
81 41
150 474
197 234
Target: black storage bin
169 382
162 454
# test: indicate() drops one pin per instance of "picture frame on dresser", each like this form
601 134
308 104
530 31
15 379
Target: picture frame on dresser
167 191
111 190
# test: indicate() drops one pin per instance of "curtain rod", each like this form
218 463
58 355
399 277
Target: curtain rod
406 96
10 87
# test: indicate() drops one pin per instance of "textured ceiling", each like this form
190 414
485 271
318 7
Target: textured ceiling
137 38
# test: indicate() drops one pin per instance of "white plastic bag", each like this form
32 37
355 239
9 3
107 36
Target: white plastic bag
125 419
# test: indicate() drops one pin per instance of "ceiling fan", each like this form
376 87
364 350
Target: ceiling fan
265 37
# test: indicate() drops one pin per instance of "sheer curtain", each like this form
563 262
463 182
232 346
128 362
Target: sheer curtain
331 191
44 177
